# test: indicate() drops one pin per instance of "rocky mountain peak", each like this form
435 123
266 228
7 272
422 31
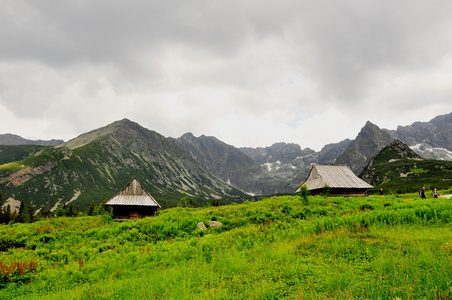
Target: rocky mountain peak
430 139
123 131
396 150
399 148
369 141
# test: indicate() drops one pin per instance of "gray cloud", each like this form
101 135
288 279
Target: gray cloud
261 65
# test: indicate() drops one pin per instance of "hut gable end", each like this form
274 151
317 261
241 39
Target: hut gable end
340 179
133 201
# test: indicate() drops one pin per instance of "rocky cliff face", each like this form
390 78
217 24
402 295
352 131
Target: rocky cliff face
330 152
431 139
285 161
231 165
370 140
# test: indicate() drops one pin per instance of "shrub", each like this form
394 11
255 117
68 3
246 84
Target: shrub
304 192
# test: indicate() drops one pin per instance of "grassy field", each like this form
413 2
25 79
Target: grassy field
391 247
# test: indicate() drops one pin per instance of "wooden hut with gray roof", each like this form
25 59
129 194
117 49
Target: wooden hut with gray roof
133 202
340 181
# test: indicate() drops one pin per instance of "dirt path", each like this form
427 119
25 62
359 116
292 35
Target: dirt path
445 196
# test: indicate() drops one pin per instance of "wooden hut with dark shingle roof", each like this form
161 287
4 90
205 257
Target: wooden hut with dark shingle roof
133 202
340 180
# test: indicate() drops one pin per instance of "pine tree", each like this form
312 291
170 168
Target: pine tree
91 208
31 214
184 199
61 210
103 209
7 215
70 210
21 215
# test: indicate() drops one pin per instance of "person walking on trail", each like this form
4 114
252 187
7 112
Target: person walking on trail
422 193
435 193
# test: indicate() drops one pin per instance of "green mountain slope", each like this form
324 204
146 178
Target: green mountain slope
14 153
96 165
398 169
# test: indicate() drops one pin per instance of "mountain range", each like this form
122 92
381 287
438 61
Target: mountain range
12 139
97 164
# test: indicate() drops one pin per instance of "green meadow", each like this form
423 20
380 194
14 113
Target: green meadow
391 247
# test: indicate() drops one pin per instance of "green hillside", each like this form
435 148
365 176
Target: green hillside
392 247
397 169
98 164
15 153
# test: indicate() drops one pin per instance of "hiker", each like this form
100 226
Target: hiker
422 192
435 193
381 192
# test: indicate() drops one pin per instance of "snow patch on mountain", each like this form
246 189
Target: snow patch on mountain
429 152
268 166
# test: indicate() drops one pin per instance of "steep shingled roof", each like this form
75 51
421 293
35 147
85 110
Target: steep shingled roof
334 177
133 194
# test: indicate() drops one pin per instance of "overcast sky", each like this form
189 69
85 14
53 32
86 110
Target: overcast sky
250 73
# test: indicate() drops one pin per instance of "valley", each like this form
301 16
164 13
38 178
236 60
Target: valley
96 165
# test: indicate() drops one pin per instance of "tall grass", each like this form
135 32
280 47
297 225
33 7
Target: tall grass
281 247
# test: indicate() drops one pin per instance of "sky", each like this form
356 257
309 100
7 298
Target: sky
250 73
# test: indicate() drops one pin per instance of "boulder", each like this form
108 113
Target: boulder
201 226
214 224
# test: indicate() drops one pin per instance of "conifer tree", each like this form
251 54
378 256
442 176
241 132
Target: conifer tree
70 210
61 210
7 215
31 214
91 208
21 215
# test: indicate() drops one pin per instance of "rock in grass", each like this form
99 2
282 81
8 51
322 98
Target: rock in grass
201 226
214 224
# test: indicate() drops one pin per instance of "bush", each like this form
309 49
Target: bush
304 192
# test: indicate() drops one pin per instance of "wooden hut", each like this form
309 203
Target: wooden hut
338 180
133 202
